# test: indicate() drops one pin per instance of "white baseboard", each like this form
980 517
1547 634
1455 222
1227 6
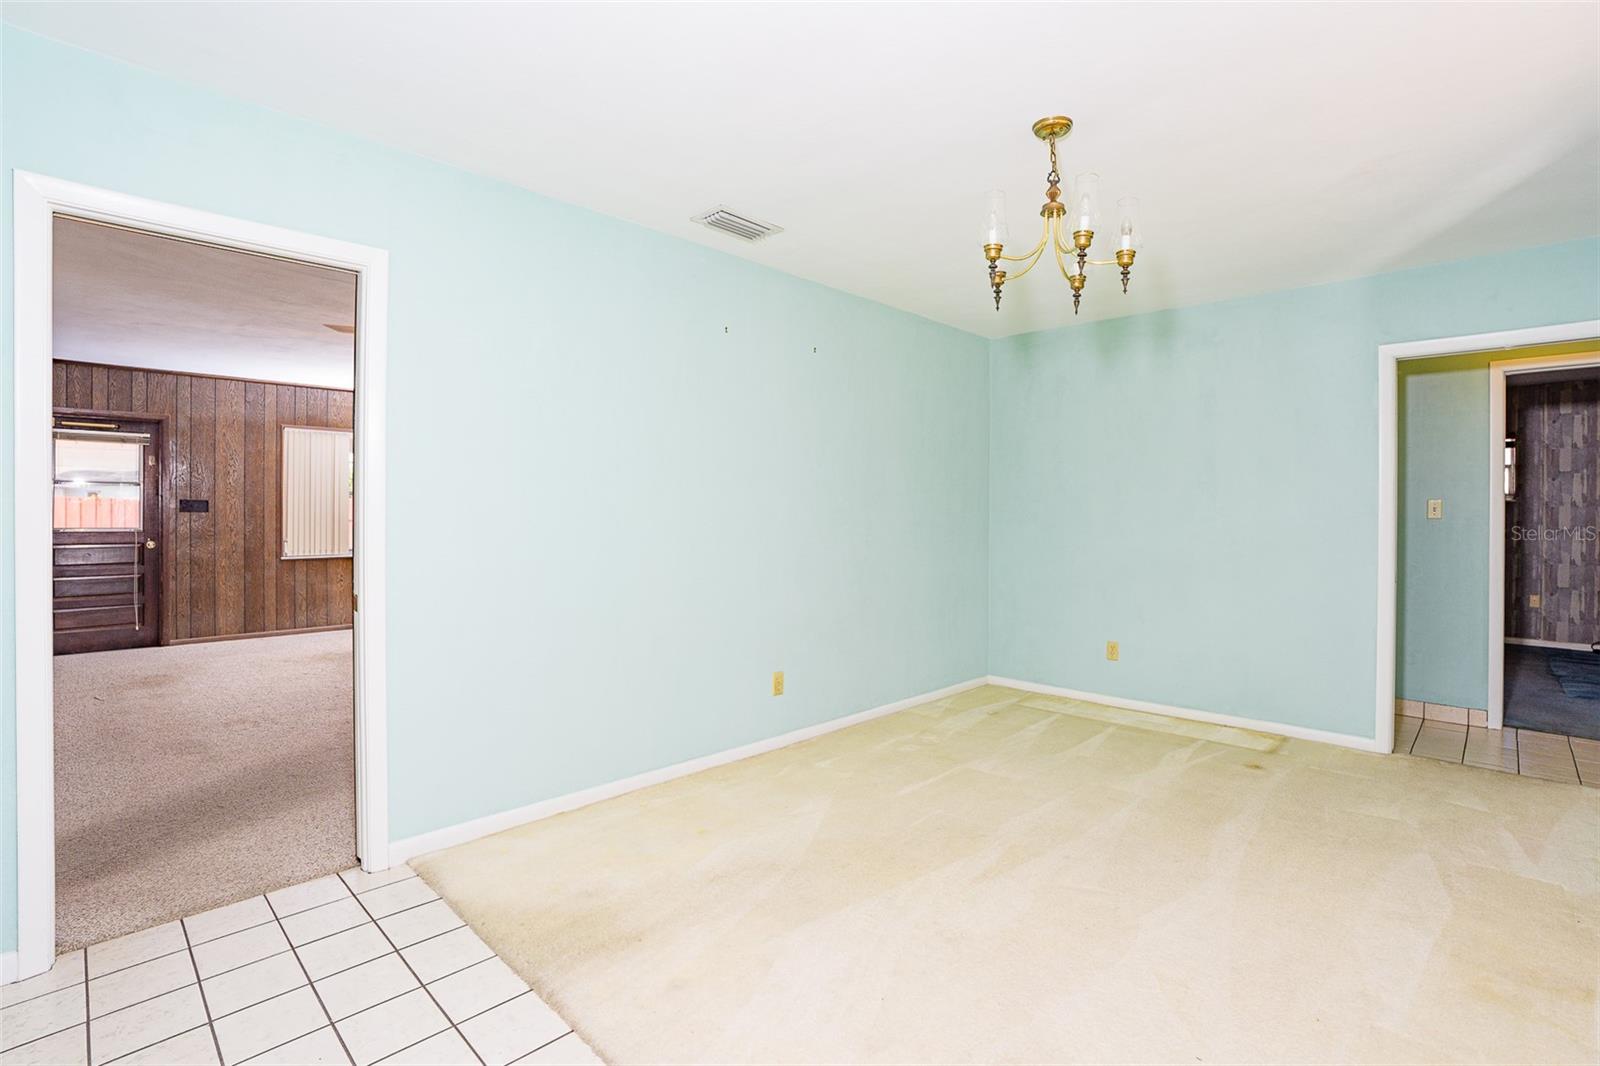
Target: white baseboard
1529 642
8 967
449 836
1344 740
461 833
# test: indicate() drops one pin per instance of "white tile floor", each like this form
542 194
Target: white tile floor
1548 756
353 968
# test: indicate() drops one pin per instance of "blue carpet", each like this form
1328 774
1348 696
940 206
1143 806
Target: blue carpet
1538 697
1578 673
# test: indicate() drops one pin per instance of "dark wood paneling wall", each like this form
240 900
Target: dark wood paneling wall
1553 528
223 577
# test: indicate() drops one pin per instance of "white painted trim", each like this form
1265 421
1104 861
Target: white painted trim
1558 645
8 967
462 832
1388 543
1496 693
1501 340
35 712
36 199
1498 372
1322 736
1389 356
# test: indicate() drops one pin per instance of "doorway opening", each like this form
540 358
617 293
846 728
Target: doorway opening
1551 561
203 404
106 512
147 683
1455 480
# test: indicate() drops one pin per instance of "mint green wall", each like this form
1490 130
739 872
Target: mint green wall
689 508
1200 485
1442 633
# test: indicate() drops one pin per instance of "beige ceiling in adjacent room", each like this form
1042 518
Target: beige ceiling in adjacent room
136 299
1273 145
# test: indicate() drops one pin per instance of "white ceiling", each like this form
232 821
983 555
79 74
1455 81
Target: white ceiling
1273 145
134 299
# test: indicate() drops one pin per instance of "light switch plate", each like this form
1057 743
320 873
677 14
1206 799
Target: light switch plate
1534 600
1435 508
1113 650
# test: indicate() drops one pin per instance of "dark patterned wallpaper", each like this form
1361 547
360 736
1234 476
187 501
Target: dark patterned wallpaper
1553 527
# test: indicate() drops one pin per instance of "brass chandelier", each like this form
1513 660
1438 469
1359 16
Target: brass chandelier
1067 244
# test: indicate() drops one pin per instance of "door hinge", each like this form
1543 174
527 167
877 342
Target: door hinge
355 602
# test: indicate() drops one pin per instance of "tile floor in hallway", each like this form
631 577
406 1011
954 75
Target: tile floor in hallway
1547 756
350 968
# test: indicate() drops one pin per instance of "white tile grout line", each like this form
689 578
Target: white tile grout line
456 1026
331 1028
51 992
267 1051
427 1038
502 1003
1516 749
174 1036
381 1002
257 1003
210 1026
190 944
242 965
544 1045
64 1028
277 954
205 1005
326 1013
425 985
198 982
433 936
415 976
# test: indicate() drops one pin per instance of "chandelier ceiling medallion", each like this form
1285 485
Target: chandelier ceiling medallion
1068 233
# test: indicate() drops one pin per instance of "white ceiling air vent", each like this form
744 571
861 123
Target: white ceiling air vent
736 225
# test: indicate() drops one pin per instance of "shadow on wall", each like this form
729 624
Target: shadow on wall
1442 621
1456 216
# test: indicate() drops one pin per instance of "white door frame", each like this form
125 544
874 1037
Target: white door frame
1389 356
36 200
1498 372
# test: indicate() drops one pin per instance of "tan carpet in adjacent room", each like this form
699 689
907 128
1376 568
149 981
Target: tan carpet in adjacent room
195 775
1003 877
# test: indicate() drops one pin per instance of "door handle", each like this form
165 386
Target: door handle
149 544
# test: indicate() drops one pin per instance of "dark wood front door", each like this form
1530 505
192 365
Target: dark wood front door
107 519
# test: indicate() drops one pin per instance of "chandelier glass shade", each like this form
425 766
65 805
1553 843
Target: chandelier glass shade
1069 227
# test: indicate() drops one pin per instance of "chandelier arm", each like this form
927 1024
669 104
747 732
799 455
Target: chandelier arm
1031 253
1037 254
1060 262
1061 245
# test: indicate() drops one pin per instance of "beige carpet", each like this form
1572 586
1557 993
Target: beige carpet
996 878
192 776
